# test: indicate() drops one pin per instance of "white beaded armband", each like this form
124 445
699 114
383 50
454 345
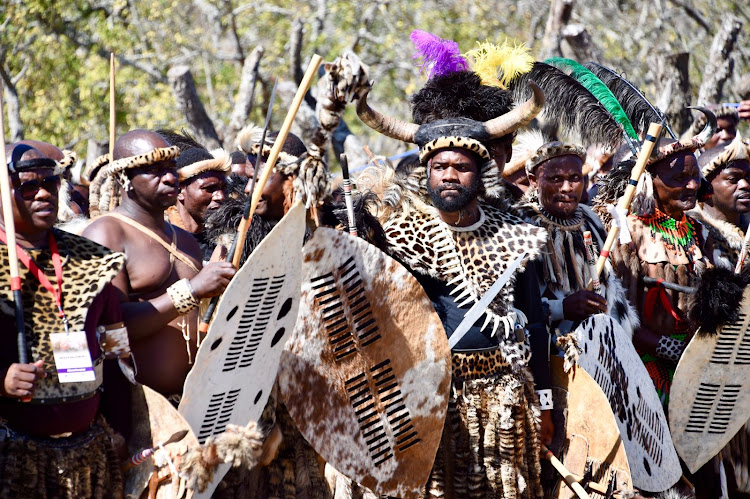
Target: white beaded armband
181 294
545 399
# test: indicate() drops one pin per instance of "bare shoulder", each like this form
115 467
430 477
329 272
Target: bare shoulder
188 244
107 231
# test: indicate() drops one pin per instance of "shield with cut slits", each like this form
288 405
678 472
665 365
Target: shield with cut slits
710 396
609 357
236 365
366 373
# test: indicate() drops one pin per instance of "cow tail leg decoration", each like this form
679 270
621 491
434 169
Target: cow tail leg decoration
533 418
239 445
569 346
463 463
491 458
476 475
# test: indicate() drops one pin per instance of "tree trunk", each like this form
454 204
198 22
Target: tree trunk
577 44
186 95
12 107
295 51
243 102
674 82
559 15
743 87
720 61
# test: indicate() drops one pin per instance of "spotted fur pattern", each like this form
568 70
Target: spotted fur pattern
467 143
471 260
90 267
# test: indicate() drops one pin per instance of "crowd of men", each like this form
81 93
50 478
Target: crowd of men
127 267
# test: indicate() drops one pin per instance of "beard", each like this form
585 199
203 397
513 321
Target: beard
463 196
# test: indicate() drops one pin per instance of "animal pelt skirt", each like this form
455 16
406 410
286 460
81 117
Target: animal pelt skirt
81 466
490 442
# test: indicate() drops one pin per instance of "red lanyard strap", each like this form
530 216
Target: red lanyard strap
39 275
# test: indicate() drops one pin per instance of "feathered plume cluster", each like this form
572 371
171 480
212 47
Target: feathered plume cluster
598 89
437 54
571 105
498 65
638 109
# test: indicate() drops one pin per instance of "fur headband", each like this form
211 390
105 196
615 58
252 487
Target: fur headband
736 150
150 158
553 150
221 162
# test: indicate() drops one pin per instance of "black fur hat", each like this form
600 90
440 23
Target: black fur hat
459 95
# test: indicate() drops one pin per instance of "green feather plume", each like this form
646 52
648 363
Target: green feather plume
597 87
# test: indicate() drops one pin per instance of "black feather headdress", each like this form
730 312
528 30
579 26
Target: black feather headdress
638 108
571 105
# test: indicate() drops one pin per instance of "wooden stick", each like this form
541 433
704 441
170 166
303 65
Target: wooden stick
567 475
624 202
10 234
273 156
112 118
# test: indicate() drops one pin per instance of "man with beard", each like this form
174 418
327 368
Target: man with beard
726 167
54 440
555 172
203 189
457 242
162 282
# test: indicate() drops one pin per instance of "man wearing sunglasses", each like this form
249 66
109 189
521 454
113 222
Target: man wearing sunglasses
52 409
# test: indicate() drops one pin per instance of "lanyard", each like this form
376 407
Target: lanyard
37 272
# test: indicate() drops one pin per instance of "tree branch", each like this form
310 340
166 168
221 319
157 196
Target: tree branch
243 102
186 95
12 104
720 61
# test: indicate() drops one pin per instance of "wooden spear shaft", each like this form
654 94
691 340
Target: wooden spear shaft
566 475
112 120
273 156
10 234
624 203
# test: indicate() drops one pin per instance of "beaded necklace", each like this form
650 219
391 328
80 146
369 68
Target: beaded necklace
676 233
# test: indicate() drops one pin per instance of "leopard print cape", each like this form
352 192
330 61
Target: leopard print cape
88 269
470 259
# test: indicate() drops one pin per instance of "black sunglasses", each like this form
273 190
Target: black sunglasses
29 189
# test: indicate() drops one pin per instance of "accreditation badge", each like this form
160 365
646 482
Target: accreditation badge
72 357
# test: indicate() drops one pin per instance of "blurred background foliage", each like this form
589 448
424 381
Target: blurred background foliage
55 53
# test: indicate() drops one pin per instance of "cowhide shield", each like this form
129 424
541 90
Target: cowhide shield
365 376
236 365
155 420
587 438
609 357
710 396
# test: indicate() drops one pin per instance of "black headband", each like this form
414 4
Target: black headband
16 164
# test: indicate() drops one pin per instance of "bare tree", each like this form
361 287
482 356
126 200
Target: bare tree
674 82
12 104
560 12
183 89
243 102
720 61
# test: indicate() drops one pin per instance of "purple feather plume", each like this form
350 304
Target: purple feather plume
442 56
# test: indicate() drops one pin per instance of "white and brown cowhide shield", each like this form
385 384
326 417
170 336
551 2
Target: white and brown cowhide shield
710 396
586 434
155 420
236 365
366 373
609 357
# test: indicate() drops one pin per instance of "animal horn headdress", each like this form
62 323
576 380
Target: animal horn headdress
453 132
